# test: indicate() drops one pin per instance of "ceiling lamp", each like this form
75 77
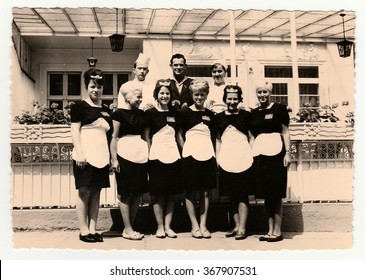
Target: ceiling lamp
344 46
116 40
92 60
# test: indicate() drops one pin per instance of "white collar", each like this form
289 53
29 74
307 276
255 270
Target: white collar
183 80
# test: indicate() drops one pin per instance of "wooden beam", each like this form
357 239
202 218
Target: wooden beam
204 22
177 22
42 20
70 20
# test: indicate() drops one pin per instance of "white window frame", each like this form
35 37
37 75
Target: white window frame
44 96
322 81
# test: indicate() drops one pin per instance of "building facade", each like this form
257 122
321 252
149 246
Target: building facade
304 73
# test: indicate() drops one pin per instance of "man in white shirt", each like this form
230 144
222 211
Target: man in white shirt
140 70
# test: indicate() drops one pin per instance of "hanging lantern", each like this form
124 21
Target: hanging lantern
117 40
344 46
92 60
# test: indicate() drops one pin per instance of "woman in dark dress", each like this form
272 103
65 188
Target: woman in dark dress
199 166
129 155
91 127
271 151
164 158
235 158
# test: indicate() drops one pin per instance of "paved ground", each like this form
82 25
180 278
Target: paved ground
113 240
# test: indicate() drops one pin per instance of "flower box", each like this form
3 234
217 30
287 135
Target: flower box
321 131
40 133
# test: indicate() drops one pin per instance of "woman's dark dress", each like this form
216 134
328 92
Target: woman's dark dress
198 175
236 185
269 171
132 178
164 178
91 177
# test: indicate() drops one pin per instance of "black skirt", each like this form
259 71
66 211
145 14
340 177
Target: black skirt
270 176
91 178
164 179
199 175
236 185
132 178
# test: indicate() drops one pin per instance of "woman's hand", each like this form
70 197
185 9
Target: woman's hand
81 161
287 159
148 106
175 103
241 106
184 106
115 165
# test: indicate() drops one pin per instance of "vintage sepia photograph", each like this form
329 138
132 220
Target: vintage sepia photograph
153 129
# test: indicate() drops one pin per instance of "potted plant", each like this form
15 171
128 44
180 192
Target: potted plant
322 123
41 114
42 125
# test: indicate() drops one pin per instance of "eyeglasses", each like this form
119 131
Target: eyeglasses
262 91
217 71
97 77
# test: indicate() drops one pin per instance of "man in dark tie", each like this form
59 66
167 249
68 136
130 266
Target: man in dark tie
180 96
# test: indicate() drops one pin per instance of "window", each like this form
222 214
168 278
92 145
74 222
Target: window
55 84
281 77
308 86
280 93
66 86
308 72
204 71
279 86
308 94
63 87
278 72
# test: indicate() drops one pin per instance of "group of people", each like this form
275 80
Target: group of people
189 138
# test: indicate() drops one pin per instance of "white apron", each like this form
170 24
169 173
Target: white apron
267 144
133 148
198 143
235 152
94 143
164 146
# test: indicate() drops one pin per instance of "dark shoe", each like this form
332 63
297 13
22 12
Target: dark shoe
240 236
231 233
264 237
98 237
275 238
87 238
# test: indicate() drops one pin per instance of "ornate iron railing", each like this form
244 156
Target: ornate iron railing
41 153
62 153
326 150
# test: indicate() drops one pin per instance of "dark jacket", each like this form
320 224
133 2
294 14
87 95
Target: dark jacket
184 95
